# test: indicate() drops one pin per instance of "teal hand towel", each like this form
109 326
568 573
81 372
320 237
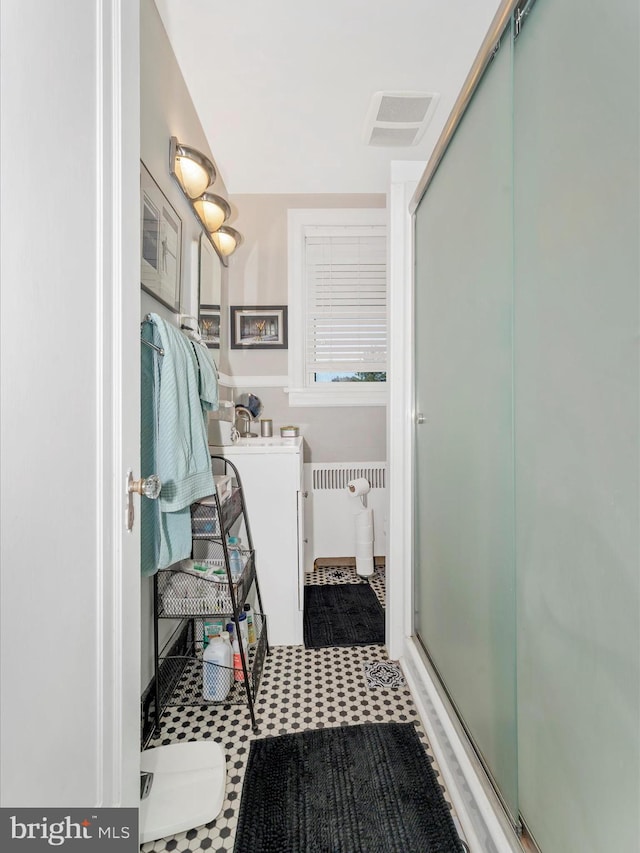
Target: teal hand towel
208 378
182 452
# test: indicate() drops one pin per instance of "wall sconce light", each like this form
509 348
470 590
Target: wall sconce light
193 171
226 240
213 210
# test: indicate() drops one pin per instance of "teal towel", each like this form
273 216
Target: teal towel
181 449
208 379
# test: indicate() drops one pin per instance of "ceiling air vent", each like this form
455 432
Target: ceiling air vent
398 119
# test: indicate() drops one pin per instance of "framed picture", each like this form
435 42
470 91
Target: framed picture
210 274
258 326
161 241
209 322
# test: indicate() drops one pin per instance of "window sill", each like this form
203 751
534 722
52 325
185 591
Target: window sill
350 396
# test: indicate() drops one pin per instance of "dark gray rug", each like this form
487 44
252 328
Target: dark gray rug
344 614
353 789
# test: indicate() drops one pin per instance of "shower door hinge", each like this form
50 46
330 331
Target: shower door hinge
519 14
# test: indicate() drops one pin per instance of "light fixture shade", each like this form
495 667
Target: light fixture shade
212 209
193 170
226 239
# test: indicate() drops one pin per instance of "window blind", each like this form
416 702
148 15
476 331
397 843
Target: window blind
346 309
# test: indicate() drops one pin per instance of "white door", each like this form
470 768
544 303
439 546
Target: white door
70 387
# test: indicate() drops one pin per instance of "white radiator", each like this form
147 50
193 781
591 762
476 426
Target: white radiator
329 508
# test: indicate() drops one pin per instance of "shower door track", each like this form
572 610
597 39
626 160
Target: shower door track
457 719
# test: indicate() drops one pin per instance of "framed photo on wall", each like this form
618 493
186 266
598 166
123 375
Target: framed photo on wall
161 242
209 322
258 326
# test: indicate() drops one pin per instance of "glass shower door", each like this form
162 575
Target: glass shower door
577 189
464 549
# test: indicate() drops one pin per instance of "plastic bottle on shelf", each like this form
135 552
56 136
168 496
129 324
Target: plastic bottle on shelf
216 670
226 639
235 557
229 629
238 672
251 624
244 628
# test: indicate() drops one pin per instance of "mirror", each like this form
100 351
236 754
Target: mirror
210 274
209 293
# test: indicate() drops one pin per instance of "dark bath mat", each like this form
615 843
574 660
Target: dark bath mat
353 789
347 614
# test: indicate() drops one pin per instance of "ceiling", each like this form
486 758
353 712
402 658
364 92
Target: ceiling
282 87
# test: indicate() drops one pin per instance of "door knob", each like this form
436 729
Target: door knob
420 418
149 487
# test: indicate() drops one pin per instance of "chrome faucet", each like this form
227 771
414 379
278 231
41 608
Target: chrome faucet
243 421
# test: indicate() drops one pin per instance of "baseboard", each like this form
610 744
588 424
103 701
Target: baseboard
326 562
178 644
482 818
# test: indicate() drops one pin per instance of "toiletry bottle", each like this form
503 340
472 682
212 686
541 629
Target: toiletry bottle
235 558
238 672
251 625
244 628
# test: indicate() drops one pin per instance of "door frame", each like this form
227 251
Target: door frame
404 178
70 414
119 181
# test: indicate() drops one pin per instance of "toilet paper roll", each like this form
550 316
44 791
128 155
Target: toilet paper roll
363 542
359 486
364 518
364 566
363 552
364 536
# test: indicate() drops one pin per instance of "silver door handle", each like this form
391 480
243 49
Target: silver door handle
149 487
420 419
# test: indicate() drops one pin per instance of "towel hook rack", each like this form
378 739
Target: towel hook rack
158 349
153 346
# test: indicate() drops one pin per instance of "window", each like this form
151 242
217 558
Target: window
337 307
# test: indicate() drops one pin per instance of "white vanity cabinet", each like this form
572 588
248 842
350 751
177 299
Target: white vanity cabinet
271 474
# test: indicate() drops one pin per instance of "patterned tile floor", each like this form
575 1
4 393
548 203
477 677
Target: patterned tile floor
300 689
